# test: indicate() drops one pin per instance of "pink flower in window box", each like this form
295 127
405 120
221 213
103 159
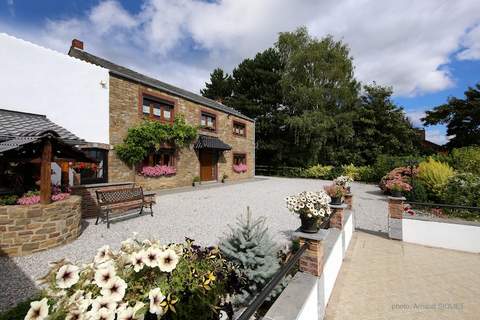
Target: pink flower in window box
158 171
239 168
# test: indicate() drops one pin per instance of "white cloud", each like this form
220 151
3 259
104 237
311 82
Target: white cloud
471 43
436 136
414 116
406 44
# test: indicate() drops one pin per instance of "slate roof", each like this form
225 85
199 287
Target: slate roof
138 77
22 125
209 142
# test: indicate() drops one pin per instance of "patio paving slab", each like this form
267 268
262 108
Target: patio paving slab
389 279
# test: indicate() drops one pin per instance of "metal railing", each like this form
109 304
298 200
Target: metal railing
267 290
282 171
446 210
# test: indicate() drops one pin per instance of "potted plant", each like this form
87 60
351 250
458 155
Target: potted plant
344 182
196 181
224 177
398 187
312 207
335 192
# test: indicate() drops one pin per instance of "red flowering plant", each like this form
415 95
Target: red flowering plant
398 185
33 197
403 174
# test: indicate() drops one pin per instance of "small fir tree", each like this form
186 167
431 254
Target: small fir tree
251 248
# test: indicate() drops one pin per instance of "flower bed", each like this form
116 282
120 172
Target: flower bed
158 171
34 199
240 168
145 279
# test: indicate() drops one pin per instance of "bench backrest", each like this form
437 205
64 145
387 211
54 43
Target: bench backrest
117 196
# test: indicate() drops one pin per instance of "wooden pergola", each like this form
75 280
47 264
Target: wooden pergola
43 147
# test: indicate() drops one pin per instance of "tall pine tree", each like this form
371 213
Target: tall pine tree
220 86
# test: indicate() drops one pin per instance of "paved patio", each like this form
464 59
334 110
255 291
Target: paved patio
202 214
388 279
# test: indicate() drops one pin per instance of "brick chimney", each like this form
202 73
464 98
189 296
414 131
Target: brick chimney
77 44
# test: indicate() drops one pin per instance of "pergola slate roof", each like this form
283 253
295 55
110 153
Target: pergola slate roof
20 128
154 83
18 124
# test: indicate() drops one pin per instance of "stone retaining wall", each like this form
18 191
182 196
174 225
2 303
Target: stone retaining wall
28 229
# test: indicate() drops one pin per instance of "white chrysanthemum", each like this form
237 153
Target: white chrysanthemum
156 297
67 276
104 276
103 254
102 302
151 257
137 259
38 310
168 260
115 290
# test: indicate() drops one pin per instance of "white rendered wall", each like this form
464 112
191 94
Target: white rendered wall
67 90
443 235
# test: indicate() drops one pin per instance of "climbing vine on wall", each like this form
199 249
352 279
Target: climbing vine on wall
150 136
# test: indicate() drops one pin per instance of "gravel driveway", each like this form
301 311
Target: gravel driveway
203 215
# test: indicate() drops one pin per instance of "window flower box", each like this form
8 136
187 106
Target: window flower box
240 168
158 171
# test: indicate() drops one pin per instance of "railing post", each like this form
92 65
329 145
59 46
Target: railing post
312 260
395 215
337 217
349 200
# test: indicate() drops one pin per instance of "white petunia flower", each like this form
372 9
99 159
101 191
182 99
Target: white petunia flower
156 297
168 260
103 254
137 259
151 257
130 313
38 310
104 314
104 276
75 315
67 276
102 302
115 290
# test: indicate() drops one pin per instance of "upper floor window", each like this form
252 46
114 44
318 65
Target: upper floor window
208 121
239 129
157 109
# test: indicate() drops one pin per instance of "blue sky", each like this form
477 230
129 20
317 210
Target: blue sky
426 50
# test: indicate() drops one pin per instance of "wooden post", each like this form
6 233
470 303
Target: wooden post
65 178
46 174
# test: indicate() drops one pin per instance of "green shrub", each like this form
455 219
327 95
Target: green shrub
466 159
386 163
463 189
318 171
435 175
334 173
8 200
361 173
418 193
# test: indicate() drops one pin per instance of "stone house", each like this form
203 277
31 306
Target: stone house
226 137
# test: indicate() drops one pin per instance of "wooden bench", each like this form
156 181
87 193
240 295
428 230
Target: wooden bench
118 201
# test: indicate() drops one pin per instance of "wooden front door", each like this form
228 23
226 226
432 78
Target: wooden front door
208 165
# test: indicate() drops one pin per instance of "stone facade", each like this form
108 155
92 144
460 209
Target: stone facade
125 98
337 217
28 229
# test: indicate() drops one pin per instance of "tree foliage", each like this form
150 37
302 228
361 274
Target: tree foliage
150 136
250 247
220 87
309 108
461 116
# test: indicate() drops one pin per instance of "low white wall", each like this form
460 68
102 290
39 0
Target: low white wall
306 296
464 237
67 90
